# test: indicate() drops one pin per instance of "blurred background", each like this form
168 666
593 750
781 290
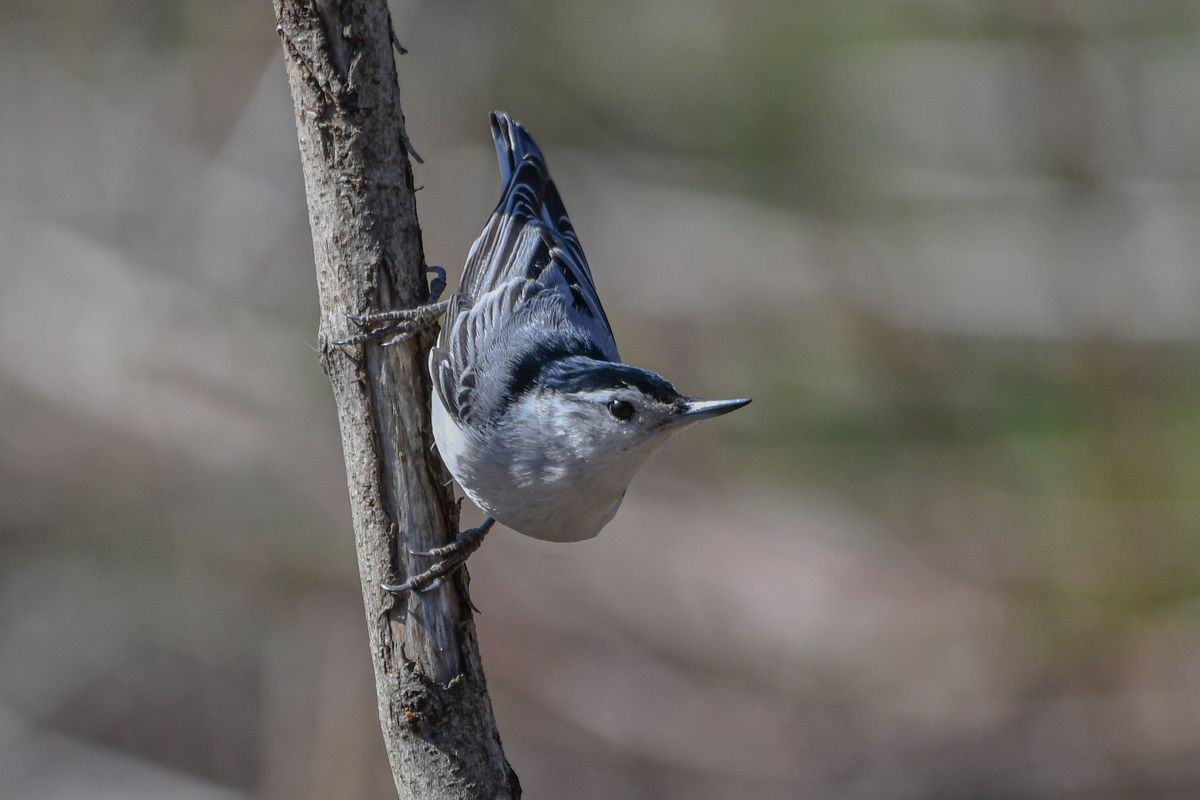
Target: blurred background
951 551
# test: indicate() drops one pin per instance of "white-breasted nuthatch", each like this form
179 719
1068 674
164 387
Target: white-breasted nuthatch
534 413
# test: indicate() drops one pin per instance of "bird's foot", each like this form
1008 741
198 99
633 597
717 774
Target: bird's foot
452 556
396 326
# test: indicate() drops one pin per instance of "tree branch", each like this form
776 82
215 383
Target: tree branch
434 710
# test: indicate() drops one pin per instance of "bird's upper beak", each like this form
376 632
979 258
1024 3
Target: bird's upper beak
695 410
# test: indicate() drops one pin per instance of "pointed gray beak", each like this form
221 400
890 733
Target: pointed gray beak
695 410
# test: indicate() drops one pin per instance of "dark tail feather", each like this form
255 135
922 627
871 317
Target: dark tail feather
513 145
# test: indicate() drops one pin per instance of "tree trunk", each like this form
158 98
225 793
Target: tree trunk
434 709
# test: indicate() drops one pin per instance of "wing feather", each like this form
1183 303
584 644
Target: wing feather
526 287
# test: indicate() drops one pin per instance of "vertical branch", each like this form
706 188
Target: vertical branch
434 710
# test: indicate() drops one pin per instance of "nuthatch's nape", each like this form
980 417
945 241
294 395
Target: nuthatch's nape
533 412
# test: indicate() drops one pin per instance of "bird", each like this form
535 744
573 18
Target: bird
533 411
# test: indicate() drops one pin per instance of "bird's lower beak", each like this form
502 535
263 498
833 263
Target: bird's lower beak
695 410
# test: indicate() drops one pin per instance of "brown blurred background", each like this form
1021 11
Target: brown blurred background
952 550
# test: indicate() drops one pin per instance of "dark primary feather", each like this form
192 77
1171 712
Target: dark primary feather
527 297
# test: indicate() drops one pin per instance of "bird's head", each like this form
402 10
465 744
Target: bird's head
610 409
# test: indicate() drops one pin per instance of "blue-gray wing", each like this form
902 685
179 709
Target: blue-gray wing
527 292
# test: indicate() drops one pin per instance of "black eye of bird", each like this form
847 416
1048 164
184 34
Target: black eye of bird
621 409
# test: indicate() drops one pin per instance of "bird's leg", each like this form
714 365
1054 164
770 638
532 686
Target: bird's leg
394 326
452 556
402 323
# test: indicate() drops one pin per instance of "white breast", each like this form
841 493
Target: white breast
451 442
525 490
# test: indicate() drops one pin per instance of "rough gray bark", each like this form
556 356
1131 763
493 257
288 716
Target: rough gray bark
436 716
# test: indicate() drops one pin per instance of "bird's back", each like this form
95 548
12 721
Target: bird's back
527 302
527 297
527 294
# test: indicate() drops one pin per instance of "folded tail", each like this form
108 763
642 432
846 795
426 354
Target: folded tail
513 145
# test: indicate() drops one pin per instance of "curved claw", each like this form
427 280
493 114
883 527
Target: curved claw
412 585
437 285
357 338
